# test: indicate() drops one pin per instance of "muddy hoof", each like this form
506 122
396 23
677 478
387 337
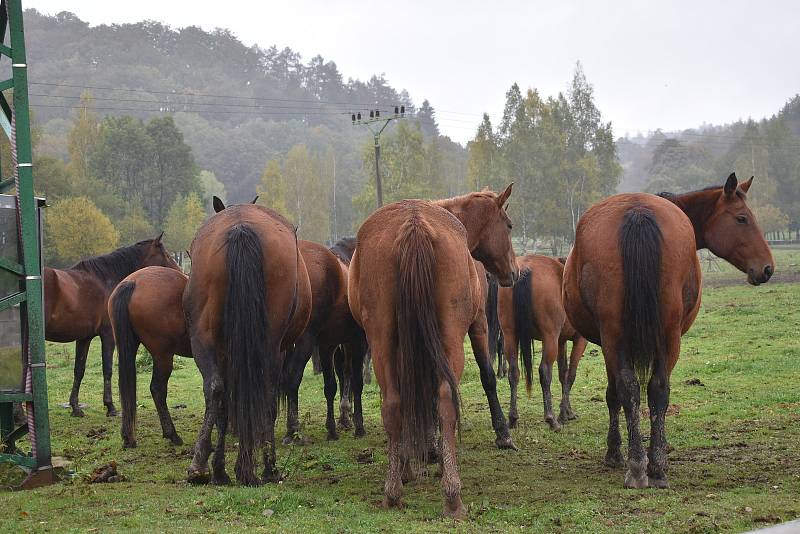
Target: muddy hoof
505 442
633 481
77 412
344 423
272 477
614 459
360 432
221 479
111 412
554 425
332 435
391 503
129 444
458 512
572 415
198 476
294 439
658 482
175 439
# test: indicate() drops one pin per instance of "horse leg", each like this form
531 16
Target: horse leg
510 350
271 473
326 362
451 482
295 363
502 367
563 370
340 364
478 337
162 370
628 394
212 382
390 410
81 352
219 477
578 348
658 400
614 456
549 356
357 352
107 348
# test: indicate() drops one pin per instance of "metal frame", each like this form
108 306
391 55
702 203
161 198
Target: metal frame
15 123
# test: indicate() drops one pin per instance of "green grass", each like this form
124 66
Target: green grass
735 463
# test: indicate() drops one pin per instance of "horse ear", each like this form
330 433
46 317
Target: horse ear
503 197
745 186
730 185
218 204
158 239
254 200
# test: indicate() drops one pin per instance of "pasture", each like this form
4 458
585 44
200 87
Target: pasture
733 426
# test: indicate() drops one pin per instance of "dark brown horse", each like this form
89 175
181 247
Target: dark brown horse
247 301
330 325
632 285
533 309
76 306
146 308
415 291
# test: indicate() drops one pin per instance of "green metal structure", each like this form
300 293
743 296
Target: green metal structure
27 296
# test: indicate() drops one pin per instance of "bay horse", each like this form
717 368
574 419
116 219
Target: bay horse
76 306
248 299
632 285
330 326
146 308
534 309
414 289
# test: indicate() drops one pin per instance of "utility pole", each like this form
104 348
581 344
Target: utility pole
374 119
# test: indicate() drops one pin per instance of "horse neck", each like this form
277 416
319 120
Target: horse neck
698 207
113 267
473 224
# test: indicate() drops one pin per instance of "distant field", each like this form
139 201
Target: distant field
735 463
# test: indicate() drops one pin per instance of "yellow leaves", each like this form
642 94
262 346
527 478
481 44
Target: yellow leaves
75 228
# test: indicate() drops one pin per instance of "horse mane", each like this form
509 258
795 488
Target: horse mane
116 265
344 249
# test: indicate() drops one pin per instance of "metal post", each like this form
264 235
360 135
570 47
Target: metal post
378 185
399 113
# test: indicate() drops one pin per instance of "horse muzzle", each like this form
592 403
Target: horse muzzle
755 277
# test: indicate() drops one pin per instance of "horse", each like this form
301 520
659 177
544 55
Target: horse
414 289
632 285
247 300
330 325
533 309
75 306
131 308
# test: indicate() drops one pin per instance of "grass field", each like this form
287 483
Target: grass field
735 463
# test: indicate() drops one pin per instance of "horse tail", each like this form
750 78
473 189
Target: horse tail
640 241
522 302
492 318
251 366
127 345
422 362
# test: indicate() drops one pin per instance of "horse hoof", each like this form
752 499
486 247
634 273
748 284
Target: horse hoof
197 476
658 483
345 424
563 418
294 439
77 412
458 512
505 443
129 444
572 415
332 436
391 503
175 439
250 480
112 412
554 426
512 422
360 433
614 460
272 477
635 482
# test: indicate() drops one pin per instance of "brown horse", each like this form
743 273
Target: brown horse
248 299
330 325
146 308
76 306
632 285
415 291
533 309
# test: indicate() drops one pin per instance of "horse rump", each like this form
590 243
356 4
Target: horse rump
422 362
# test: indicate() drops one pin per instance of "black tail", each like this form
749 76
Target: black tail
522 300
127 345
493 319
252 371
640 241
422 362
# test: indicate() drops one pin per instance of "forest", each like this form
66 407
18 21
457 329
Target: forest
138 125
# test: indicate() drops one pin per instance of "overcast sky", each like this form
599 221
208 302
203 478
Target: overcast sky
665 64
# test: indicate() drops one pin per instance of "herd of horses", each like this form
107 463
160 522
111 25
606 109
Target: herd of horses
416 280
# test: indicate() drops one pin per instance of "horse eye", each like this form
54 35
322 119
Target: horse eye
510 226
741 219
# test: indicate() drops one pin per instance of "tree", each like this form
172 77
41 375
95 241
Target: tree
75 228
271 190
482 152
306 195
211 188
184 218
771 219
134 226
82 139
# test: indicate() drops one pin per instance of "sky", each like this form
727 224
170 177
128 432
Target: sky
653 64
